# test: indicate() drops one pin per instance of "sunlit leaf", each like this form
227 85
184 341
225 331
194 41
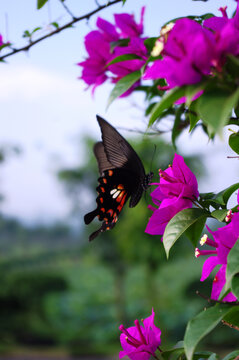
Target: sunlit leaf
219 214
167 101
234 142
123 85
41 3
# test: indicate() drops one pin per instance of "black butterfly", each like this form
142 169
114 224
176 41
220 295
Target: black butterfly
122 175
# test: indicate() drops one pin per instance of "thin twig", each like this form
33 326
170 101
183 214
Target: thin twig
67 9
233 327
211 301
156 132
83 17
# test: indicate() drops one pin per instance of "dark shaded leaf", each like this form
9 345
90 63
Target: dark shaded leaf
215 108
232 265
179 224
232 355
194 232
176 126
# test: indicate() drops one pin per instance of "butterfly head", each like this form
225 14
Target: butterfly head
147 180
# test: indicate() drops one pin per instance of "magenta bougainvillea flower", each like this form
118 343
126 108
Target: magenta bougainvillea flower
223 241
98 48
128 26
98 45
226 33
140 342
136 46
187 55
176 191
192 51
1 40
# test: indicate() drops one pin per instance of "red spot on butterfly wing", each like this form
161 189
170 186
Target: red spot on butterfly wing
122 201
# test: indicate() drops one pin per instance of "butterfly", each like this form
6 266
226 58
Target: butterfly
122 176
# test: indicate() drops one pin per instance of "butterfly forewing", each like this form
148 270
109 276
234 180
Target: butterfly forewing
118 151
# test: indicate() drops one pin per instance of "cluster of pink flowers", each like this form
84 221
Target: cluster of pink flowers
100 45
176 191
192 51
223 241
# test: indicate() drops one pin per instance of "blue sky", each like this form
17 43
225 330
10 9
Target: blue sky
46 110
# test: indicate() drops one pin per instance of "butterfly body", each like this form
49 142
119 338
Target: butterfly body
122 176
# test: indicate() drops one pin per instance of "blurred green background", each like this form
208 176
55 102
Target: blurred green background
61 293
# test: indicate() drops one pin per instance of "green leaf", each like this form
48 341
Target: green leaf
194 231
123 85
167 101
26 33
220 198
123 58
121 42
204 355
235 286
219 214
232 265
149 43
201 325
215 107
177 352
149 108
226 194
232 355
179 224
176 128
41 3
193 115
234 142
192 90
232 318
36 29
213 357
54 23
124 1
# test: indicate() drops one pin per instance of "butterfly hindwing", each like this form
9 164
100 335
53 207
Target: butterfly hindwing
113 191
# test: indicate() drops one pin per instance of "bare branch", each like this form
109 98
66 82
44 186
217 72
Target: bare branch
233 327
211 301
67 9
58 30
